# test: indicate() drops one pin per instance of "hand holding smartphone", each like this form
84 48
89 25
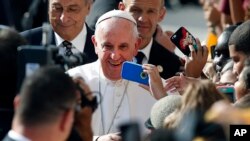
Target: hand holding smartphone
134 72
182 38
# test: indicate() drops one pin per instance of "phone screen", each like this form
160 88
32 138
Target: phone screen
182 39
228 91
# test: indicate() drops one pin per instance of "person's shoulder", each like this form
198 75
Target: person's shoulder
159 49
83 70
8 138
89 30
31 32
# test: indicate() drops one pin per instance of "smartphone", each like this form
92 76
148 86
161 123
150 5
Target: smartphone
130 131
134 72
228 91
182 38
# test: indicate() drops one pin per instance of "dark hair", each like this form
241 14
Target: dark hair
201 95
222 45
240 38
45 95
9 41
198 96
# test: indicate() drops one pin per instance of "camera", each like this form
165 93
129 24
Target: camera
30 58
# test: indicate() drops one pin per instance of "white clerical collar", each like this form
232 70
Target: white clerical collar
78 42
146 50
16 136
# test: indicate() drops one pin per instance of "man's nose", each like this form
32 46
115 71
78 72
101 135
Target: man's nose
235 71
64 17
142 17
115 54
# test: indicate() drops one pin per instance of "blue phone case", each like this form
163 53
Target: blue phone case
134 72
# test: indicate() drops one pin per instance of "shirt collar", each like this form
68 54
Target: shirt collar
146 50
78 42
16 136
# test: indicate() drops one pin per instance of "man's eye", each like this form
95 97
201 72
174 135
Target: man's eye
134 10
107 47
123 47
73 9
151 11
57 8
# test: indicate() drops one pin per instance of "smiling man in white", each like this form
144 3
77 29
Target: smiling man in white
116 40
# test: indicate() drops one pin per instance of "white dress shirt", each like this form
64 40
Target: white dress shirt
16 136
78 42
135 102
146 52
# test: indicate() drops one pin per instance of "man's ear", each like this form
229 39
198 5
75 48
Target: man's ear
137 45
121 6
67 120
89 6
163 12
16 101
94 43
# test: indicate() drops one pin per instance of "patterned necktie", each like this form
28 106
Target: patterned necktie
68 47
139 57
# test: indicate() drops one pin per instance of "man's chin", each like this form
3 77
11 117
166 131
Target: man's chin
114 78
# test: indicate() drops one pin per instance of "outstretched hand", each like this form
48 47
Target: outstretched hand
178 83
196 62
155 82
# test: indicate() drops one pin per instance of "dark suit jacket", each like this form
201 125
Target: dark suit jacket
163 57
34 37
6 116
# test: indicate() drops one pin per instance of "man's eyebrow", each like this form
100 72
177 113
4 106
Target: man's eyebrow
73 5
106 43
56 4
124 44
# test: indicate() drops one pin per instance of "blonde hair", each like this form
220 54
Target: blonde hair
199 96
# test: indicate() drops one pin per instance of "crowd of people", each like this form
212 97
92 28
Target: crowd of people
91 101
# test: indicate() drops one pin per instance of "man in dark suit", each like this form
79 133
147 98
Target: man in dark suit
67 20
41 107
44 112
148 13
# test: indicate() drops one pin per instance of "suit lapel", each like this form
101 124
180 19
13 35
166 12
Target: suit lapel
153 52
89 48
